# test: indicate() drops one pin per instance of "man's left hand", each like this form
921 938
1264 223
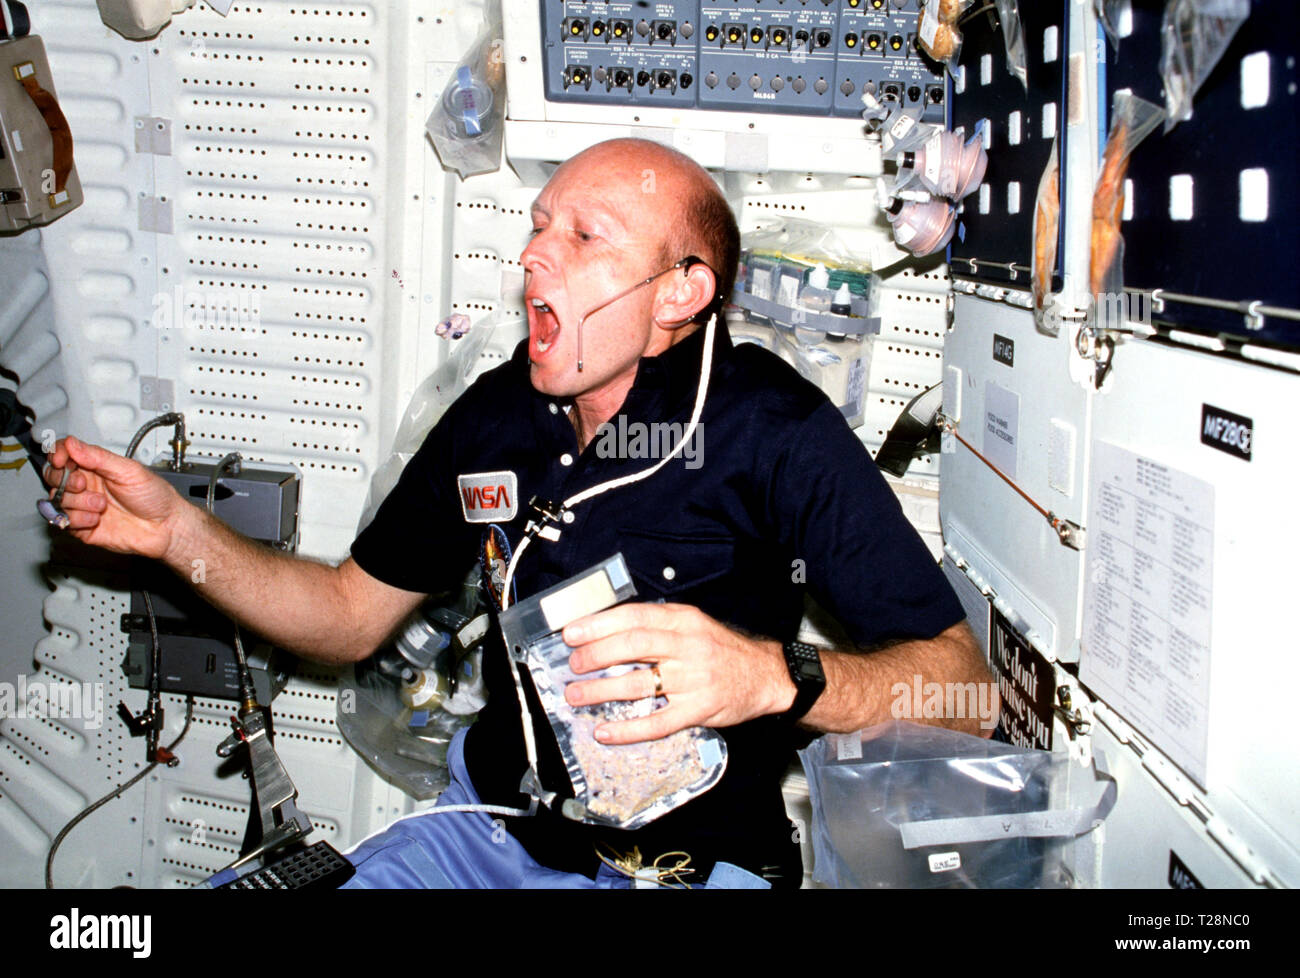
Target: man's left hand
712 676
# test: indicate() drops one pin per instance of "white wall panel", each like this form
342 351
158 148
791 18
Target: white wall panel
294 184
1152 406
1003 538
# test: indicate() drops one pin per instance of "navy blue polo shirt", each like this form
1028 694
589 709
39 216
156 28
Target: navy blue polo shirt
774 497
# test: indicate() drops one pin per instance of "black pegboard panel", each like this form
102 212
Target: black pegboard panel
1216 254
998 237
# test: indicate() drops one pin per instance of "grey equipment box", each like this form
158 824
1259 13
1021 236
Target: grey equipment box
199 656
260 503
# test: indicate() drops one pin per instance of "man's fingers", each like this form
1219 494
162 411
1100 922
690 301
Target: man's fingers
52 474
96 459
636 645
658 724
622 618
82 519
90 502
634 685
77 481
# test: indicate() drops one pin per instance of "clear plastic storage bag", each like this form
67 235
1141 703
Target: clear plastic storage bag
905 805
1013 34
937 30
1132 119
1195 33
430 399
466 125
405 746
1047 225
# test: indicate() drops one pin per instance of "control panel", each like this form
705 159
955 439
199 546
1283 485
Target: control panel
804 57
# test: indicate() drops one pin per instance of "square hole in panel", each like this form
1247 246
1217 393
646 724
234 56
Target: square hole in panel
959 82
1254 80
986 69
1013 128
1051 44
985 129
1049 120
1181 190
1013 197
986 198
1254 195
1128 201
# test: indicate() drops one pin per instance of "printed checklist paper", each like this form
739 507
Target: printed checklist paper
1147 600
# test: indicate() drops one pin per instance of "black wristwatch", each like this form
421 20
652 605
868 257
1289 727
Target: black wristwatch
805 665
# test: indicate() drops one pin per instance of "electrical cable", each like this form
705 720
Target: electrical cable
1062 527
155 692
247 693
489 809
170 418
1024 495
632 865
77 819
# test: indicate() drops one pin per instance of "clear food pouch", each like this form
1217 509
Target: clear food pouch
906 805
1132 119
1195 33
1111 15
1013 34
938 32
1047 223
624 785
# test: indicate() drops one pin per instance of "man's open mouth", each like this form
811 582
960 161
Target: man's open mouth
546 325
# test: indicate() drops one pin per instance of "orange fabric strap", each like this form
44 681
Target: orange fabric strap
60 133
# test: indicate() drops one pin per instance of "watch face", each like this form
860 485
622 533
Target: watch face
810 670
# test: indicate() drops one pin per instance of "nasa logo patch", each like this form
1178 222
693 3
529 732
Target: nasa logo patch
489 497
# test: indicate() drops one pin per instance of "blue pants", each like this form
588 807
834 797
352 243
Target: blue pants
473 850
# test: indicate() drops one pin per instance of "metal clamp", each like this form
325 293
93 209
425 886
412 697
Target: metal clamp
1070 534
1076 723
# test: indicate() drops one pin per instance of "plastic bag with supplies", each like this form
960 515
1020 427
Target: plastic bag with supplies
466 125
1047 225
1113 15
905 805
1132 119
939 35
1195 35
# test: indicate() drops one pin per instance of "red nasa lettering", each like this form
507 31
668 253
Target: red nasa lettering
486 497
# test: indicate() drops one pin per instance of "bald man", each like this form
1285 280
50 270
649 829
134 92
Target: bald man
632 250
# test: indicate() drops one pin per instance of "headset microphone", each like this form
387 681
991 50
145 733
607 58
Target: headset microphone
685 263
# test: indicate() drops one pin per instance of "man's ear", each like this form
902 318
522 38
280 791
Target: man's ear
682 295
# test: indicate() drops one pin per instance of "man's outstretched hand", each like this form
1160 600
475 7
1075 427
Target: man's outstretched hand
114 502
